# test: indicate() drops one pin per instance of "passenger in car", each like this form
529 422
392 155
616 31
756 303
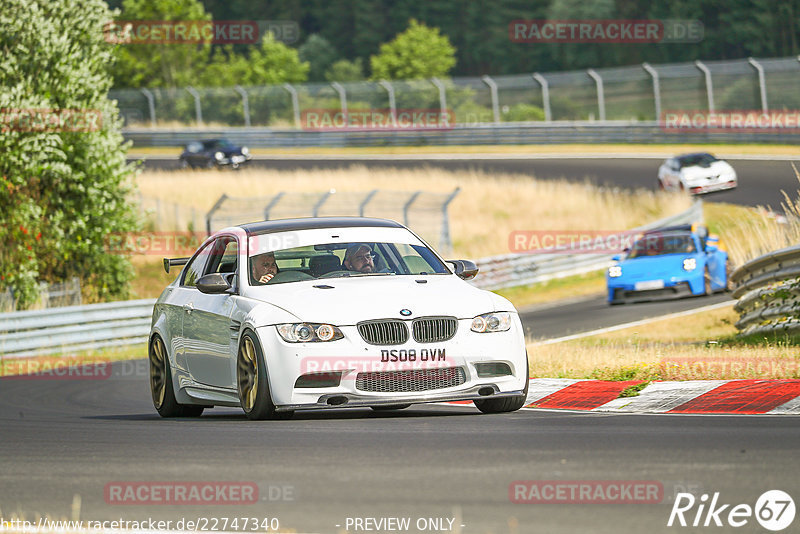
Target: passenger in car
262 268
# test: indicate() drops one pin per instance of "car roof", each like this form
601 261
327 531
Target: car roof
308 223
693 154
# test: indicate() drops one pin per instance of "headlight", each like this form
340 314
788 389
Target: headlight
218 155
491 322
615 271
308 332
245 151
689 264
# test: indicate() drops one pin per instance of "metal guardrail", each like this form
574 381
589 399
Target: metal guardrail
73 328
509 270
489 134
768 292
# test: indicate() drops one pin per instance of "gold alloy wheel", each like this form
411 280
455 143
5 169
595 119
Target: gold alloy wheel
158 371
247 374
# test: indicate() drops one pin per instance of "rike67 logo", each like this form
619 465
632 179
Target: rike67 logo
774 510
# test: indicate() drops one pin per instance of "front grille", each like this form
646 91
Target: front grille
411 380
434 329
384 332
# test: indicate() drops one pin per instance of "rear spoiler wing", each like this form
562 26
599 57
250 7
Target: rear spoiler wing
169 262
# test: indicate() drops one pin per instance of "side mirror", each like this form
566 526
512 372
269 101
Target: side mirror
213 283
464 269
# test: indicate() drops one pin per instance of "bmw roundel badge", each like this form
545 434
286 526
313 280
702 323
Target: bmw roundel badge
405 312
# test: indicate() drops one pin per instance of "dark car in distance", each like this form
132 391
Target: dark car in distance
214 153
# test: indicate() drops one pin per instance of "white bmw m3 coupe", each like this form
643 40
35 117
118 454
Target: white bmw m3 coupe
322 313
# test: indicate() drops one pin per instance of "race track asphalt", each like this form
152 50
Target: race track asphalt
760 181
62 438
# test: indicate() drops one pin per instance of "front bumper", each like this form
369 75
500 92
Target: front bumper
334 401
703 188
352 356
628 294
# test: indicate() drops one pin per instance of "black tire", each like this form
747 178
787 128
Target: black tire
252 382
390 407
161 387
506 404
707 290
661 185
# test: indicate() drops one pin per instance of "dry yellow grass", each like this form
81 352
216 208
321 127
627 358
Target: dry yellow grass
488 208
670 349
749 233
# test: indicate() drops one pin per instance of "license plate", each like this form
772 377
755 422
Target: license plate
649 284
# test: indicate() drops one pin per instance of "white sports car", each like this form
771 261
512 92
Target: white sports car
322 313
696 173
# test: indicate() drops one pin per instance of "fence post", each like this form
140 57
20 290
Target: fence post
762 83
197 108
445 243
213 209
495 104
363 205
392 102
442 94
295 103
601 97
151 105
320 202
245 104
656 88
709 84
407 206
342 98
271 205
545 95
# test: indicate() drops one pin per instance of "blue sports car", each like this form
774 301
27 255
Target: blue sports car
672 262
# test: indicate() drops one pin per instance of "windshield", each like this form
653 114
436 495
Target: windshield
342 260
702 160
660 244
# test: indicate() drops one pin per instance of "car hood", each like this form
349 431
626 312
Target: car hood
653 267
343 301
716 168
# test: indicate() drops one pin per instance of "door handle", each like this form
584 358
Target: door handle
188 308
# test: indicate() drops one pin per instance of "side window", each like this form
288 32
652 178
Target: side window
221 256
226 256
194 269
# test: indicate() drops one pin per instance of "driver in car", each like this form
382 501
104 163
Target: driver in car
359 258
262 268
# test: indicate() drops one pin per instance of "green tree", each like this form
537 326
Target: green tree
320 54
63 187
418 52
345 71
160 64
271 63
